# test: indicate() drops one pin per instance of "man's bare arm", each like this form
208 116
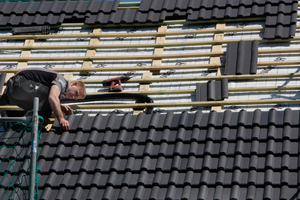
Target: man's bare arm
55 106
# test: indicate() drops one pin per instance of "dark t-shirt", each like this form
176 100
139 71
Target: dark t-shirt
45 77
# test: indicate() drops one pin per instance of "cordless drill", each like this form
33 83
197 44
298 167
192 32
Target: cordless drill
115 83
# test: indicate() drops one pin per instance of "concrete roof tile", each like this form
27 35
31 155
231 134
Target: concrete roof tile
235 152
152 11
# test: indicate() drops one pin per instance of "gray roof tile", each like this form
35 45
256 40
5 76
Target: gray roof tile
212 90
210 158
104 12
241 58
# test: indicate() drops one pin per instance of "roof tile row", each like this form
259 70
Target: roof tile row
122 165
237 177
57 7
170 120
171 192
278 13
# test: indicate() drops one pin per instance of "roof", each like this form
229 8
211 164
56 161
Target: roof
280 15
230 155
184 149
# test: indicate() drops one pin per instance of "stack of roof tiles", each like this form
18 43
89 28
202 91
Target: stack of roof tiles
281 15
241 58
230 155
212 90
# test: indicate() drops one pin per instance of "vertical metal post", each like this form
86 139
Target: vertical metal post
33 159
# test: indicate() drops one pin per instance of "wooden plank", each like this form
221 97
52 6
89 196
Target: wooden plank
143 88
188 104
142 34
202 78
68 77
91 58
193 91
160 50
217 59
25 53
178 104
92 52
136 68
164 67
159 45
8 76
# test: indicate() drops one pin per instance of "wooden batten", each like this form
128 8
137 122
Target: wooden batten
178 104
159 51
91 52
216 59
25 53
143 88
144 34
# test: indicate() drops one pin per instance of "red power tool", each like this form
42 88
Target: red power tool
115 83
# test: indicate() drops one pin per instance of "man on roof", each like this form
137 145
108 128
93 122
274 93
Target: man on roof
48 86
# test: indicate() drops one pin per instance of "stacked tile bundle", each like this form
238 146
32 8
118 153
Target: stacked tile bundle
241 58
212 90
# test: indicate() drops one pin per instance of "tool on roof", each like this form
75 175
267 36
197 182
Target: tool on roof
115 83
31 30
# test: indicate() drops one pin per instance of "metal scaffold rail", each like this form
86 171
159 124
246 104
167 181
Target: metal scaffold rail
34 143
10 138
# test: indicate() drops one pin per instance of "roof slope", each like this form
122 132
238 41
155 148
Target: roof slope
281 15
230 155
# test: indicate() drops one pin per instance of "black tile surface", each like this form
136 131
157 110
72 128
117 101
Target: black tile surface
281 15
241 58
212 90
230 155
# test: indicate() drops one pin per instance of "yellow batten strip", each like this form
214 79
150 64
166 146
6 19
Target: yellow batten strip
187 104
159 51
91 52
216 59
143 88
25 53
179 104
144 34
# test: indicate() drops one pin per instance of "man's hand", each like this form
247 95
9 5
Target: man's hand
66 109
64 125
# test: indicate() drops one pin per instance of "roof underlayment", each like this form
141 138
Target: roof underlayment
243 147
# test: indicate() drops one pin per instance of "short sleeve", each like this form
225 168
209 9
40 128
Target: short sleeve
61 83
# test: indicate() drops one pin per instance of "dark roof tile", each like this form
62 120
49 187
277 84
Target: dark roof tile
139 121
126 121
160 165
241 58
231 153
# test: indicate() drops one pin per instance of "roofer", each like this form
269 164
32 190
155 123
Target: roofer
48 86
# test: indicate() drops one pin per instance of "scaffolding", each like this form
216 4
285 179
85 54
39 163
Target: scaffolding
14 150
